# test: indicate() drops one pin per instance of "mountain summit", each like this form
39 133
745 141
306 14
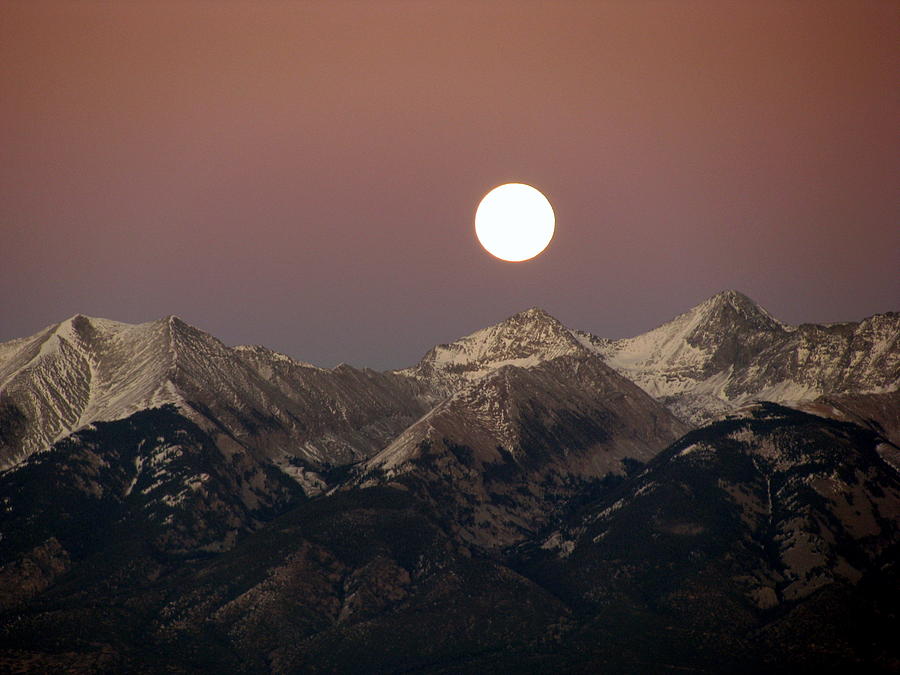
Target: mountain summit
524 340
728 351
86 370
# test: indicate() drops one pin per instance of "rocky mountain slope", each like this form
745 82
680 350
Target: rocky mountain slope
766 542
728 351
360 582
721 354
192 444
523 340
733 541
500 456
154 480
301 418
171 504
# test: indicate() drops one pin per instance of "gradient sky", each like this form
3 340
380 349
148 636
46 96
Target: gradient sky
305 175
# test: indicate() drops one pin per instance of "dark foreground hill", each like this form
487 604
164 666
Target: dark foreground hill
765 542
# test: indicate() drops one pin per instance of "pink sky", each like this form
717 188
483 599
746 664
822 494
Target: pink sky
305 175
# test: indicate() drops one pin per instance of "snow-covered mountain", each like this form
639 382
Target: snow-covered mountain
80 371
170 503
302 418
728 351
716 357
525 398
523 340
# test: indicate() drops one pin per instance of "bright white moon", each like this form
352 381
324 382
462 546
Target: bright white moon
514 222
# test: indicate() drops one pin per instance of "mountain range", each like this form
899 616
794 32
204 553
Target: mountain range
719 493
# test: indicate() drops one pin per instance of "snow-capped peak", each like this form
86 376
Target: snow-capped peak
87 369
728 350
524 340
732 306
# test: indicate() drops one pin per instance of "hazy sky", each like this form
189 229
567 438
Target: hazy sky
305 175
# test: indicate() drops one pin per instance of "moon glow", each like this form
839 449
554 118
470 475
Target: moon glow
514 222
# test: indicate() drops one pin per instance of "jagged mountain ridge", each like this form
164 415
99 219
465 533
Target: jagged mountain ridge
523 340
194 469
86 369
130 367
257 411
300 417
723 353
55 381
716 357
728 351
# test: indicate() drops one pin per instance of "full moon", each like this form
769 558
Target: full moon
514 222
